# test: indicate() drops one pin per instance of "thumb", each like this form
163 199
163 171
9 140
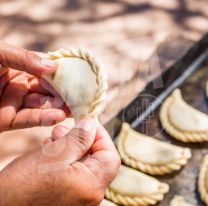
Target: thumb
81 138
24 60
71 148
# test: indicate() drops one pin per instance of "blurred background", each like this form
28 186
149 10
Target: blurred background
135 39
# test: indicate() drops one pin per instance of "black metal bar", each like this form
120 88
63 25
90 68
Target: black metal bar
172 78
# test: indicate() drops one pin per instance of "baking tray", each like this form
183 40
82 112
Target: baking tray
189 74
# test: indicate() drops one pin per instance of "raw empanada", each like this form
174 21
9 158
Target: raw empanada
182 121
133 188
203 180
107 203
179 201
149 154
79 80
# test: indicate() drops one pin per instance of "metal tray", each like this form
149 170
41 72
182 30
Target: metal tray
189 74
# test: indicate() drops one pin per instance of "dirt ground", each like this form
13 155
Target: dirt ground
135 39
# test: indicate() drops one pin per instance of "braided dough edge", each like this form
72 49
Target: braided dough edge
173 131
202 185
146 167
138 201
96 69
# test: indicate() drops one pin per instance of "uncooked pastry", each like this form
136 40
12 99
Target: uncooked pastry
131 187
149 154
107 203
179 201
182 121
203 180
79 80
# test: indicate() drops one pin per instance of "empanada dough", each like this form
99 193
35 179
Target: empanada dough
107 203
179 201
149 154
131 187
79 80
203 180
182 121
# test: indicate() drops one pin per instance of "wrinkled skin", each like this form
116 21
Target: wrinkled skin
63 172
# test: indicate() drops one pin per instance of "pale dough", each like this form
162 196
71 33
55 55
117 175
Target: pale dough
149 154
179 201
107 203
182 121
131 187
79 80
187 118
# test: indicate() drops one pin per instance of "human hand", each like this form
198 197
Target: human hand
26 100
73 170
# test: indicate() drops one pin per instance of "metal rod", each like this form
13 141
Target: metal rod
174 85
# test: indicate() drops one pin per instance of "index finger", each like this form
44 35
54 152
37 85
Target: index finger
25 60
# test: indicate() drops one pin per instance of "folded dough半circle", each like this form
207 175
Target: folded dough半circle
182 121
148 154
79 80
131 187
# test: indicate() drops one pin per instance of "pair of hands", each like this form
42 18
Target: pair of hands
73 167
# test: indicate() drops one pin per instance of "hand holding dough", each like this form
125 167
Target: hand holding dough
79 80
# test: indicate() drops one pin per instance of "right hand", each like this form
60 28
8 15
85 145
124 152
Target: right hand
73 170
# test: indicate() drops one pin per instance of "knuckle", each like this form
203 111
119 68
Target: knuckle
28 58
112 167
22 56
98 197
29 55
95 197
81 136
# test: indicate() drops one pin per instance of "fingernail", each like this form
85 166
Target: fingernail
48 63
88 124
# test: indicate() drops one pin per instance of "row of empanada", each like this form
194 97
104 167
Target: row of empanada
148 155
187 124
154 157
124 189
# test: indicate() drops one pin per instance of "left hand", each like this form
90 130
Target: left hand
27 100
